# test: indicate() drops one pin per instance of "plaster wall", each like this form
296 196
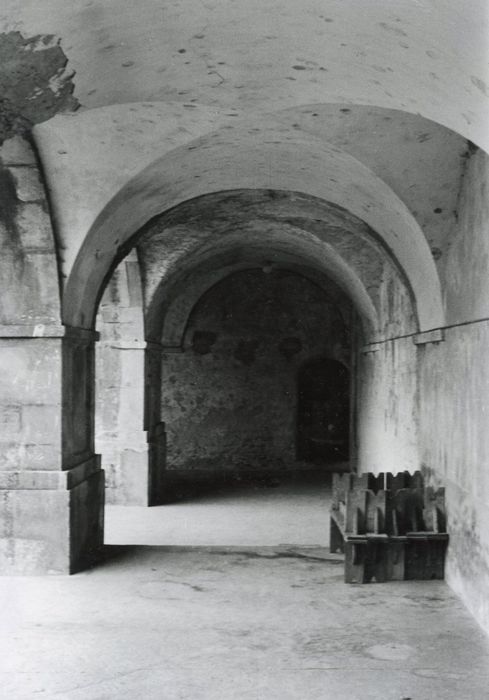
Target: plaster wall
387 407
454 397
229 400
454 447
464 281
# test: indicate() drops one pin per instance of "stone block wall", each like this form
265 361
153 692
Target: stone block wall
47 521
119 393
229 400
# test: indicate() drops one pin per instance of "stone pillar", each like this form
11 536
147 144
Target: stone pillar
119 421
153 423
51 488
85 477
34 513
120 437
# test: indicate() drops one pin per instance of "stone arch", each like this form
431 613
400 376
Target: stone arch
291 228
187 272
174 319
209 164
171 306
167 315
300 164
240 347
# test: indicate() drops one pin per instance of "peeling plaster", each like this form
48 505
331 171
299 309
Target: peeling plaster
34 82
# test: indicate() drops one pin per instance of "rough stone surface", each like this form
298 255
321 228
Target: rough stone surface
229 400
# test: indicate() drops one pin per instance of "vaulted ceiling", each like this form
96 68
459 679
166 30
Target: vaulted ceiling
368 106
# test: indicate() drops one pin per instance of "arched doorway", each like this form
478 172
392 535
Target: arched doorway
323 411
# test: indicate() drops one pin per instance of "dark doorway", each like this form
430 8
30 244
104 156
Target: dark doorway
323 412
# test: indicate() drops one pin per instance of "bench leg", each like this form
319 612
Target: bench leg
355 560
336 540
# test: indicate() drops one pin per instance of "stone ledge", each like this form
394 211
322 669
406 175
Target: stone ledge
373 347
32 330
49 480
126 344
435 336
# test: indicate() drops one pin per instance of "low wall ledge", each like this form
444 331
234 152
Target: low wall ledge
31 330
435 336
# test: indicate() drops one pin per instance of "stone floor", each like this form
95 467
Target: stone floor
236 622
292 509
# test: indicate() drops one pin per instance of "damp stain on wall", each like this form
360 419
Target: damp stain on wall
35 83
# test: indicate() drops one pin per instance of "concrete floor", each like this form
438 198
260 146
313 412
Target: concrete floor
292 509
242 622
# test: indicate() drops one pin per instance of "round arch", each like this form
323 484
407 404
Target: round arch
219 162
167 312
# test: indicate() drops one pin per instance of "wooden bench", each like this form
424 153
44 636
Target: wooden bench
389 526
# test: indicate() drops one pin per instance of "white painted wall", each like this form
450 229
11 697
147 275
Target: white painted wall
454 397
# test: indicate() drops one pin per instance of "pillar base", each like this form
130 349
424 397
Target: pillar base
51 522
